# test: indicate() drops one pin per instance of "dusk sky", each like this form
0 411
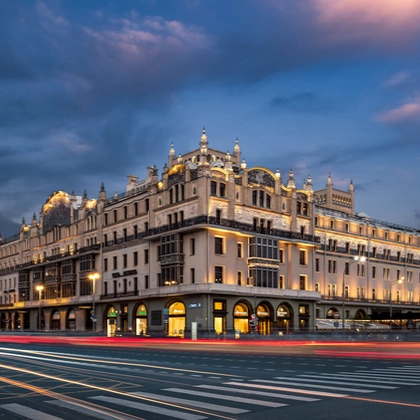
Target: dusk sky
94 90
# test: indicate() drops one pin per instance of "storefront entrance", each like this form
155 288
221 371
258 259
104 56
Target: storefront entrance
241 318
284 317
176 320
111 322
264 319
141 320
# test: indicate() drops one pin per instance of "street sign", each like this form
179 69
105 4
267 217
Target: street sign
336 324
336 315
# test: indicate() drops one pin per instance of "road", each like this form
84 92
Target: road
170 380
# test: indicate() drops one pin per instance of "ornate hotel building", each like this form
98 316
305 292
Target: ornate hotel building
208 247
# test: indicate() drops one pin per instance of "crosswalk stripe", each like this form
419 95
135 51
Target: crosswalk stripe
333 377
294 390
387 378
332 382
225 397
405 374
207 406
368 378
150 408
253 392
362 391
28 412
99 414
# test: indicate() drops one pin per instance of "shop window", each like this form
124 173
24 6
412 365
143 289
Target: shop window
219 305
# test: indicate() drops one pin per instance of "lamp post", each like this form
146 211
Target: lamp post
355 259
400 280
93 276
39 289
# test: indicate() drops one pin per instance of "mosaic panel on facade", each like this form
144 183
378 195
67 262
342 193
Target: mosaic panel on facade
260 177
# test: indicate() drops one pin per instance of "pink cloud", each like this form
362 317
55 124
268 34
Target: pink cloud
387 22
406 112
398 79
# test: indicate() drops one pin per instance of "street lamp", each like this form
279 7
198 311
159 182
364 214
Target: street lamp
400 280
39 289
348 264
93 276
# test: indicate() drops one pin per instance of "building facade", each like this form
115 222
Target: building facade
208 247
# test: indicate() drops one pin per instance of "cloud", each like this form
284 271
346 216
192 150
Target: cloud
304 101
386 23
399 79
409 112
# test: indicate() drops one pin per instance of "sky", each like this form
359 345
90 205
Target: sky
91 91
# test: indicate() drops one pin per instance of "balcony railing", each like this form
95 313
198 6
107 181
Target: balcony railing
119 295
232 224
338 298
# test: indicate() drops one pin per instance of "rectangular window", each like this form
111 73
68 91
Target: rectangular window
135 258
346 292
317 265
239 250
373 294
317 287
213 188
261 198
302 257
192 246
347 247
254 198
115 266
222 190
239 278
146 256
136 209
281 256
218 245
125 212
105 264
218 216
302 282
219 305
281 282
124 260
192 275
106 219
146 282
374 272
218 274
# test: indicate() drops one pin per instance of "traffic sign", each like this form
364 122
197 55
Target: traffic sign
336 315
336 324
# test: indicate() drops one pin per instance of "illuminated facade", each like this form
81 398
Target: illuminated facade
209 246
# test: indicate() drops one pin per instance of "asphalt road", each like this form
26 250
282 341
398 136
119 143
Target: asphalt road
210 381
